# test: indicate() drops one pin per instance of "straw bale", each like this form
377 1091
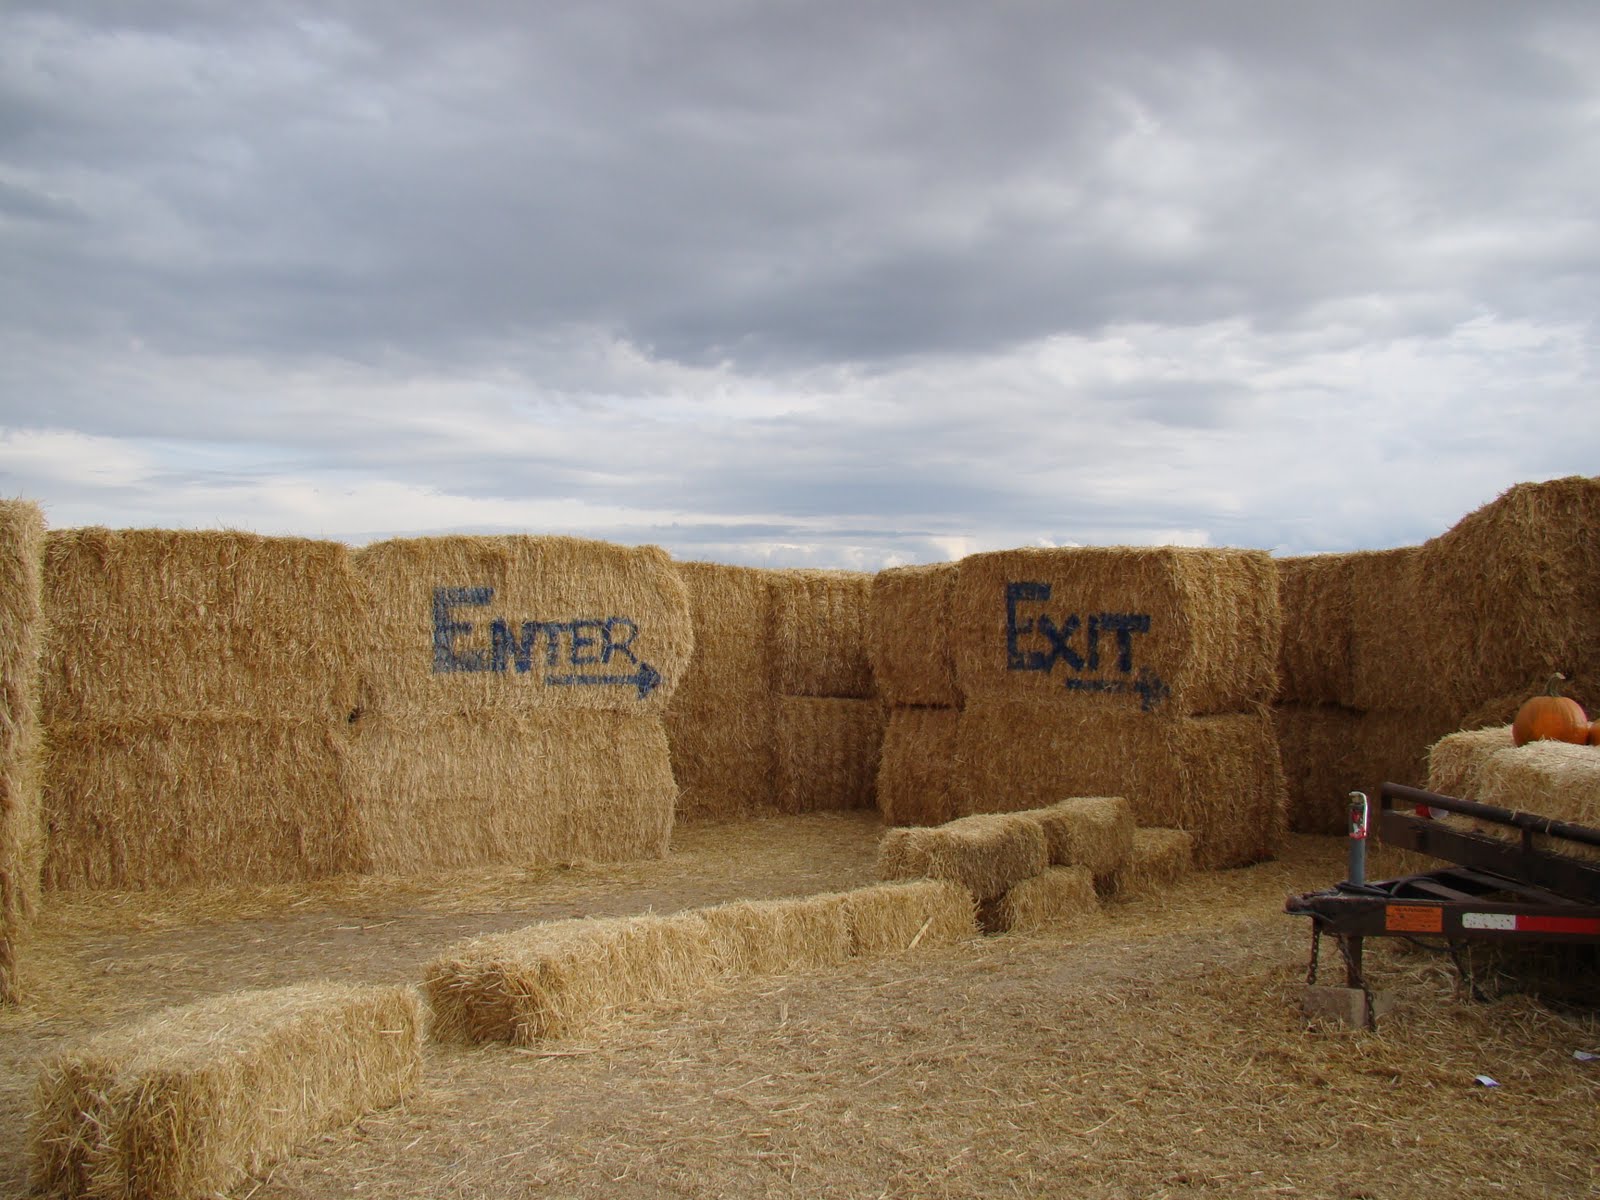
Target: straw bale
521 624
1056 899
154 622
134 804
776 937
1314 658
819 633
559 978
540 787
896 918
187 1103
909 635
987 854
1217 776
720 720
1160 858
1514 589
1548 779
1394 630
22 540
916 773
1455 760
1089 831
1314 742
827 753
1118 629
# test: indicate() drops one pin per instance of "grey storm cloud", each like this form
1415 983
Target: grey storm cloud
876 280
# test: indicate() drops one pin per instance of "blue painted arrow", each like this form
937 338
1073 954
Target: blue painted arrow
1152 691
646 679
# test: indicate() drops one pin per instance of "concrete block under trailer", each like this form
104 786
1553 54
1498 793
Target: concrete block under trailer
1499 890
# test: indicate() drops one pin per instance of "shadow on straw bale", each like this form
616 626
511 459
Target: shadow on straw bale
1314 742
1394 632
190 1101
986 854
1314 659
819 633
1217 776
827 753
1088 831
720 720
560 978
916 772
519 624
22 542
776 937
1160 858
498 787
1056 899
1109 628
897 918
1514 589
147 623
909 636
194 800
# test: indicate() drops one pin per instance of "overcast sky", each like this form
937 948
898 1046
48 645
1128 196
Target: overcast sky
838 283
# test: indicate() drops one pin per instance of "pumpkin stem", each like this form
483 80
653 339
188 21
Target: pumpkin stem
1553 688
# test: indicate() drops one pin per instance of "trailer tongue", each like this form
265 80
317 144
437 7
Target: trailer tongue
1522 886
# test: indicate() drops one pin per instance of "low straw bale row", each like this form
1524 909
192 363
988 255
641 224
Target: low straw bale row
557 979
1159 858
187 1103
22 538
1056 898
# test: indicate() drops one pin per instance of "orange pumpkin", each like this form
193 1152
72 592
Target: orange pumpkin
1550 717
1594 733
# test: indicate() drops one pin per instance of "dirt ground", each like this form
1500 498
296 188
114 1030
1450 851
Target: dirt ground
1153 1051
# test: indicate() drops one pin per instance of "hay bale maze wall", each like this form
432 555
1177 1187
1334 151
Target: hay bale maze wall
197 693
1143 673
190 1101
22 536
512 700
1384 652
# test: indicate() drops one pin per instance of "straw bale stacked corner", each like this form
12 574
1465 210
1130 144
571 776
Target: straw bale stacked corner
22 536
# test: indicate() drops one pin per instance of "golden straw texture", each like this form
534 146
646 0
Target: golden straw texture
22 541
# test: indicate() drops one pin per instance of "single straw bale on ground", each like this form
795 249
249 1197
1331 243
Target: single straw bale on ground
720 720
22 541
986 854
190 1101
1160 858
1089 831
520 624
1314 742
915 774
819 633
154 622
1113 629
1056 899
194 800
560 978
909 637
897 918
1514 589
776 937
540 787
1314 658
827 752
1217 776
1548 779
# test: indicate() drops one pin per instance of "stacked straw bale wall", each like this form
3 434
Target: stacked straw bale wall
512 700
22 539
721 723
197 696
1142 673
191 1101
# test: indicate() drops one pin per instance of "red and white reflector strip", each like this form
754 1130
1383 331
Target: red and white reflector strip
1528 923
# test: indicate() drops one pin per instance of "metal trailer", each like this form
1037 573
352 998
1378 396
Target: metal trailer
1499 890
